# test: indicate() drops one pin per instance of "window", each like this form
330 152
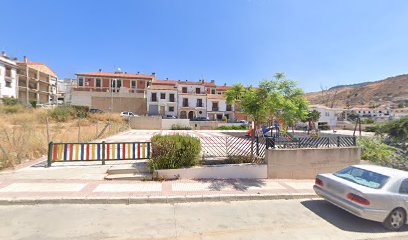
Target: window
8 72
327 114
215 106
219 93
8 84
185 102
363 177
404 187
171 109
199 102
162 96
229 107
213 91
198 90
154 97
133 84
98 82
171 97
80 82
184 90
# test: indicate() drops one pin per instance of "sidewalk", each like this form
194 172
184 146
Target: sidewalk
83 182
36 191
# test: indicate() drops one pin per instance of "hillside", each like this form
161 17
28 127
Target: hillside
393 91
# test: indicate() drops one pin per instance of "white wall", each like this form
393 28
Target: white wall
222 171
163 102
327 115
167 123
7 91
190 88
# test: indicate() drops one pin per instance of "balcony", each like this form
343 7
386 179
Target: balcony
215 108
199 105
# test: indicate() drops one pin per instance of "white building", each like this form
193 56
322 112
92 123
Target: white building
192 99
217 108
372 112
162 100
399 113
8 77
328 116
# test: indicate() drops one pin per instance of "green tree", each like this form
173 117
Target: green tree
397 130
234 95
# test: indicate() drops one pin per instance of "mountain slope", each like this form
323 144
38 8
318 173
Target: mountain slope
391 91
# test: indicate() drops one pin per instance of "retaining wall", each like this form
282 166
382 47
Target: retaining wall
306 163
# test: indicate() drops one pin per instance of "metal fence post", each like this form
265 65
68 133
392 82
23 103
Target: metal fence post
257 146
103 153
49 160
354 141
338 141
328 141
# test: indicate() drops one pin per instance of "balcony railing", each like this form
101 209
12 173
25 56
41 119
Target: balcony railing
199 105
215 108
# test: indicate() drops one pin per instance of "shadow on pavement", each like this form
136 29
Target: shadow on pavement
236 184
343 219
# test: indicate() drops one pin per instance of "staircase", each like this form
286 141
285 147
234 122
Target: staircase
133 171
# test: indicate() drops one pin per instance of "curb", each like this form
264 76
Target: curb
157 199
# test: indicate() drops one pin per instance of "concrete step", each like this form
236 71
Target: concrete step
129 176
134 168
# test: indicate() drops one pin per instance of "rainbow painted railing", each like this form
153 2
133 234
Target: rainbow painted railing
60 152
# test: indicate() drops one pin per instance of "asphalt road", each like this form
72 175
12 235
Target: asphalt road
276 219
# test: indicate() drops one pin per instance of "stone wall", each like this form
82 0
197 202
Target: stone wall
306 163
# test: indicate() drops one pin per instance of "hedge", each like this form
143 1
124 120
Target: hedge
174 151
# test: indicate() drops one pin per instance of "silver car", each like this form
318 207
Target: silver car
368 191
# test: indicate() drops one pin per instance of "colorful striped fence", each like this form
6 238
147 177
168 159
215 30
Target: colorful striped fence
60 152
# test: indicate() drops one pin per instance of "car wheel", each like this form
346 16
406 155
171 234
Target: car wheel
396 220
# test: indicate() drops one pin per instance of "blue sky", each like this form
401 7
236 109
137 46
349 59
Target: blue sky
317 43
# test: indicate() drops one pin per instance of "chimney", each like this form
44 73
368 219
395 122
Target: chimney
154 74
25 59
167 78
138 72
212 81
225 84
100 69
3 53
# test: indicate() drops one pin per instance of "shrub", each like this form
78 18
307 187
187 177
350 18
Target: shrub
242 159
174 151
180 127
9 101
62 113
233 127
11 108
33 103
375 150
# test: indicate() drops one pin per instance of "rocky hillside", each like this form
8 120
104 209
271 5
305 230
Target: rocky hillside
393 91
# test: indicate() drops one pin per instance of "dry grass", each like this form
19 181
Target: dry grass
23 134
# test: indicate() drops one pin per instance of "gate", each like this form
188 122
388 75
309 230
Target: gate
223 147
63 152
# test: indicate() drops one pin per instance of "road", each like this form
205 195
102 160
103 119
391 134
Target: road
276 219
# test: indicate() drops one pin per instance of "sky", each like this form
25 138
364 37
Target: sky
319 44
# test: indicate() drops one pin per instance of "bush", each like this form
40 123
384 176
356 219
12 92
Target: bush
233 127
33 103
11 108
375 150
368 121
242 159
62 113
180 127
174 151
9 101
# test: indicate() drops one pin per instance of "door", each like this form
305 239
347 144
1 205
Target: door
162 110
191 115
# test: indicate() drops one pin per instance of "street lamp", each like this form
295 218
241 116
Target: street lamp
113 86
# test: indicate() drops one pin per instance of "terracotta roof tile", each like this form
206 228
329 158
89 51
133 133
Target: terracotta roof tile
165 82
223 88
112 74
162 87
215 96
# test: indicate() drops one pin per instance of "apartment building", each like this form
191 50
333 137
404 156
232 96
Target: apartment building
36 82
398 113
192 99
112 91
162 98
217 108
8 77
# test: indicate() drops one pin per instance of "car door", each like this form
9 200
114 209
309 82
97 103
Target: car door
403 191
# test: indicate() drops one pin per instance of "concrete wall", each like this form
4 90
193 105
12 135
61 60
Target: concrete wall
121 104
306 163
145 122
222 171
167 123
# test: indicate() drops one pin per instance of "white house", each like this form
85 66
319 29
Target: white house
8 77
217 107
328 116
192 99
162 100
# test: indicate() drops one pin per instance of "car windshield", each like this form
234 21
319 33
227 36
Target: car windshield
363 177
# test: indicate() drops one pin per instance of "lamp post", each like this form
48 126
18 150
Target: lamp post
113 86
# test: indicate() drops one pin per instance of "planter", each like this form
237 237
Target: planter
221 171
